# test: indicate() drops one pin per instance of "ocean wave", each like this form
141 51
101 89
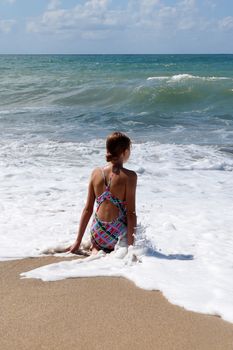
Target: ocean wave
145 96
159 78
28 109
183 77
167 92
168 156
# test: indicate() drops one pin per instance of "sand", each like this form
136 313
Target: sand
97 314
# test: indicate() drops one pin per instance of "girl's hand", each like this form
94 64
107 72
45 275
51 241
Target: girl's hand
66 249
74 247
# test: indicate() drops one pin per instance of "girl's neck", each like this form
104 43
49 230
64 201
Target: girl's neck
116 167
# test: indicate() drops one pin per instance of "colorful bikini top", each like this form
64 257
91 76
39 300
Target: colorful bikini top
107 195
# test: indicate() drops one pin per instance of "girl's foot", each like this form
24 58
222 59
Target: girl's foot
94 251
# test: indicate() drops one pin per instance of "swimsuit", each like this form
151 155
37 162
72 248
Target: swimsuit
106 234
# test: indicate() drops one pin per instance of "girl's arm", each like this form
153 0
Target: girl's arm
85 217
131 211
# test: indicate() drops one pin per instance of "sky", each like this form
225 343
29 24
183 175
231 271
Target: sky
116 26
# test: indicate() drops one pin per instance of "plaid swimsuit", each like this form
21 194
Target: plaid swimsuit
106 234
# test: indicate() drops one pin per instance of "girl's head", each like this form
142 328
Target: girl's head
117 147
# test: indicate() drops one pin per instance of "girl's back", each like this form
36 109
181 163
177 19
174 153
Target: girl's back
115 182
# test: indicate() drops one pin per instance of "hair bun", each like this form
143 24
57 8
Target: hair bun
109 157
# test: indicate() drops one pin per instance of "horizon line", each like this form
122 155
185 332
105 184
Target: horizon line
199 53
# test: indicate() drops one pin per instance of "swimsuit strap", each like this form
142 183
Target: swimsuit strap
107 185
104 177
109 182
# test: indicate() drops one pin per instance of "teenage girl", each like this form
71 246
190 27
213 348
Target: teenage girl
113 187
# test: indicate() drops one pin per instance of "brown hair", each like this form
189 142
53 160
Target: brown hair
116 144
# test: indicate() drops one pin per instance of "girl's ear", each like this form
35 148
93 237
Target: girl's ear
126 154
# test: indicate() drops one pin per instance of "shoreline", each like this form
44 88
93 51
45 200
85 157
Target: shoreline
97 313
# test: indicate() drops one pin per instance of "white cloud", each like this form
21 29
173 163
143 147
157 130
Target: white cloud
54 4
183 15
147 6
226 23
95 4
95 19
6 25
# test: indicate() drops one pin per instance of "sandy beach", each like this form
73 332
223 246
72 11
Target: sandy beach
97 314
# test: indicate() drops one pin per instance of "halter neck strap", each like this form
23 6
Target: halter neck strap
107 184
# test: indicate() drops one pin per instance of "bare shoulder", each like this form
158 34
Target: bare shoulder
95 172
132 176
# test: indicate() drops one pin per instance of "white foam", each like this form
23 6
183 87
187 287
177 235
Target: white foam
184 208
180 77
185 76
158 78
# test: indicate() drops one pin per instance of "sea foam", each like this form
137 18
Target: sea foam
184 206
183 77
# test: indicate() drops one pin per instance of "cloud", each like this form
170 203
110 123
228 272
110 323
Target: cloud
91 20
53 4
96 19
146 6
226 23
183 15
6 25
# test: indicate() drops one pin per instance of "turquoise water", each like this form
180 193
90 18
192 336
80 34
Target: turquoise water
169 98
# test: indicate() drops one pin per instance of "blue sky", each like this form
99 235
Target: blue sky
116 26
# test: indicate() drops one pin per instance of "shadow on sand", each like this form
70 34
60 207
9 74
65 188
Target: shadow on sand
156 254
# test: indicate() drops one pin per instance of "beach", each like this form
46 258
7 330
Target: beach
97 313
55 114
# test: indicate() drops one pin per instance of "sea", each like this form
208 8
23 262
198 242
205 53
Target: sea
55 114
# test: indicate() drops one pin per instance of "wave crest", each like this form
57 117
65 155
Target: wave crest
185 76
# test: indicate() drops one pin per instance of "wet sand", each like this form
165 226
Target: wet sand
97 314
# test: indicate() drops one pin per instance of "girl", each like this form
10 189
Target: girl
113 187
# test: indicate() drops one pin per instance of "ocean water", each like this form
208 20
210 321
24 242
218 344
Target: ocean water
55 113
